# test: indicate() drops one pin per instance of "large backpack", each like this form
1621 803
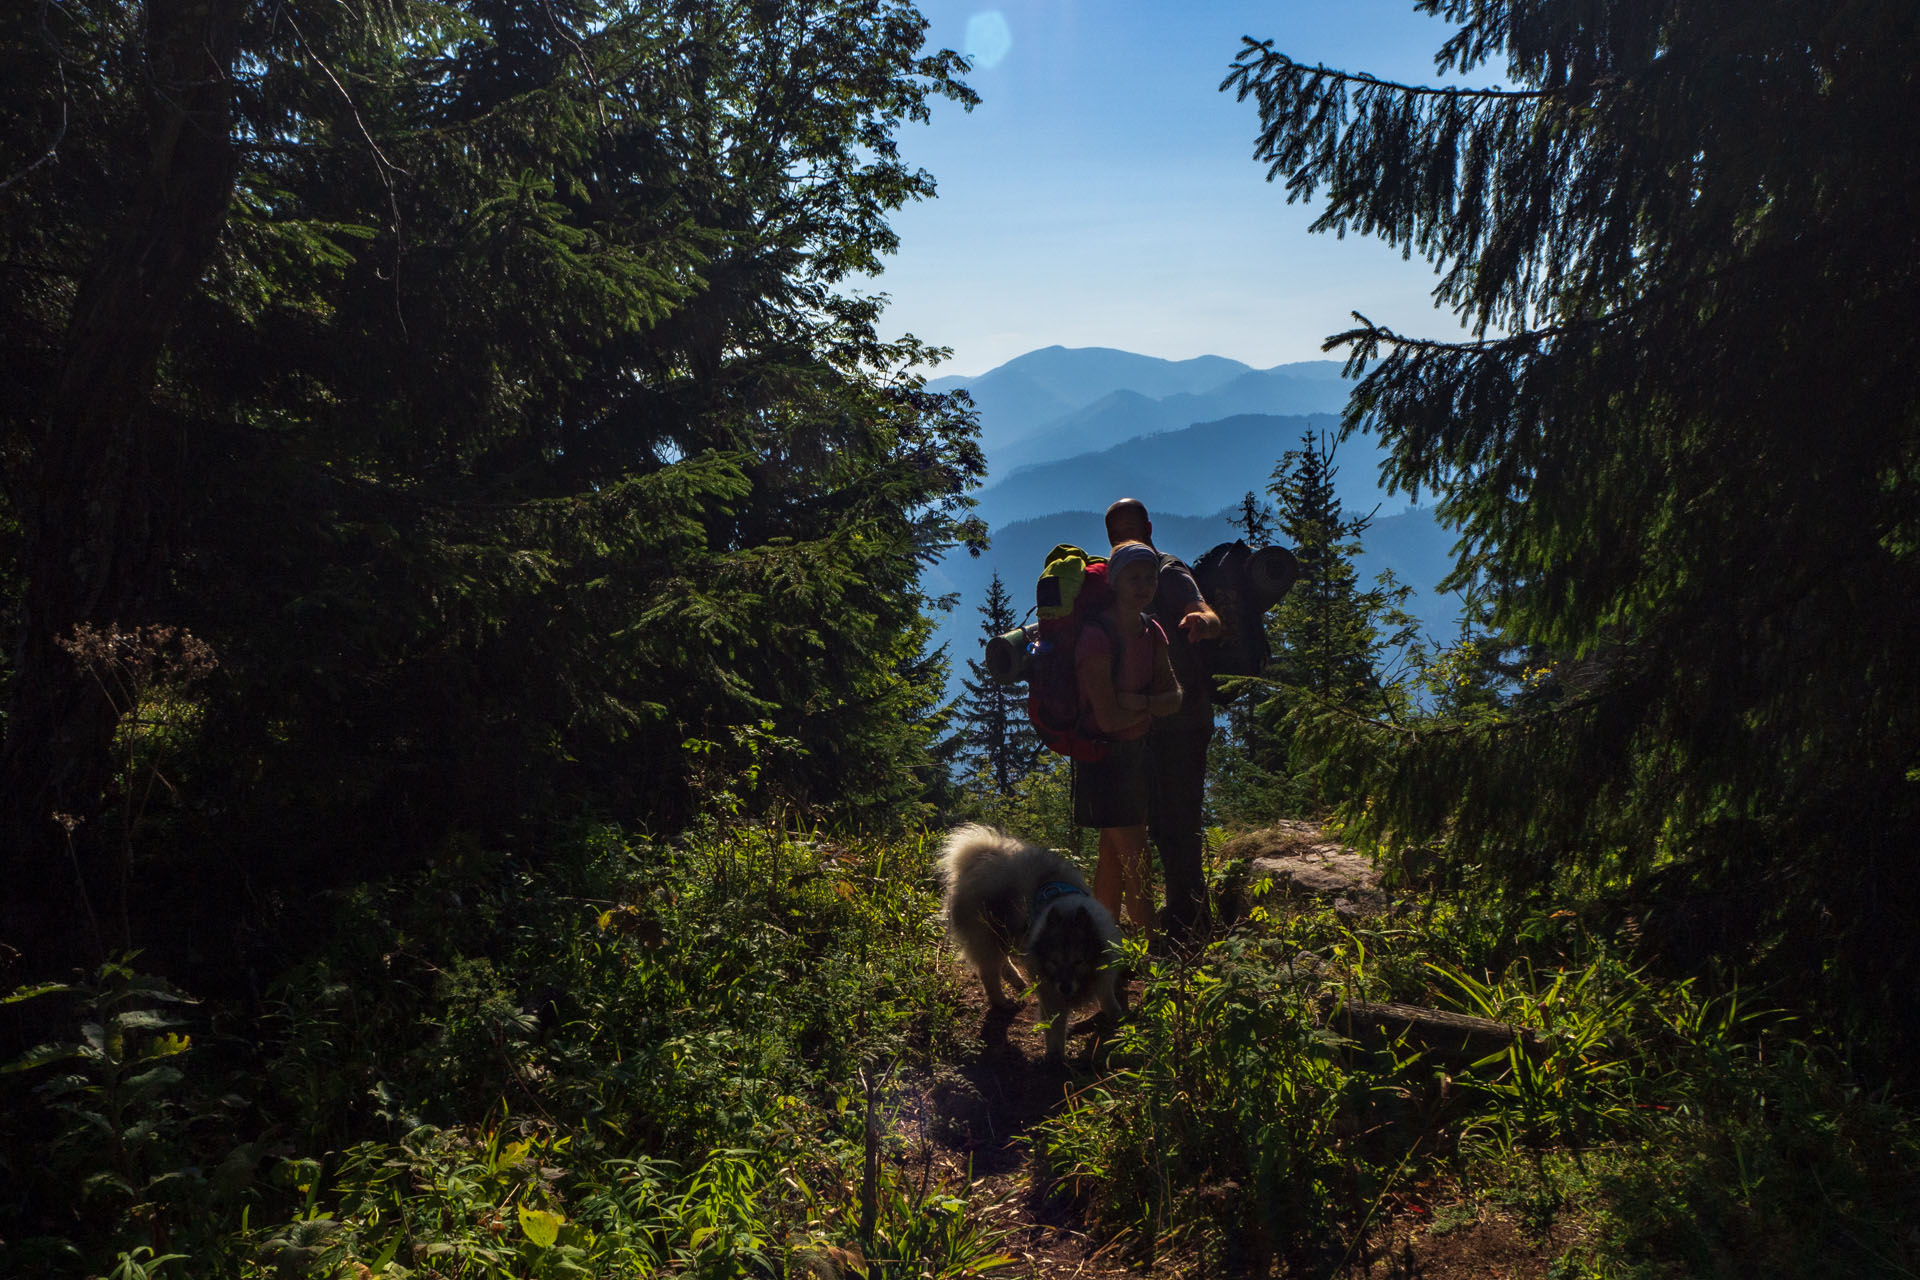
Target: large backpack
1068 598
1240 585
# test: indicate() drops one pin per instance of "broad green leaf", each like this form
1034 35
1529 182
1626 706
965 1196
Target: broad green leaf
149 1082
541 1225
39 1056
143 1020
165 1046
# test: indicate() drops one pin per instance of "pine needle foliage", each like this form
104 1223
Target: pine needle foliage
1254 520
1328 636
1336 642
1682 443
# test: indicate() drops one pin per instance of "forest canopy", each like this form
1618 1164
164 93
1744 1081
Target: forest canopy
481 391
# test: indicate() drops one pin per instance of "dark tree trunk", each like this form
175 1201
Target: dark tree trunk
98 506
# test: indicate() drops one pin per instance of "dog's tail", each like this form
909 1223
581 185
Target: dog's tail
968 846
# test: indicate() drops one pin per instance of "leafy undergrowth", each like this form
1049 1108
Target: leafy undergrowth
631 1060
641 1059
1639 1128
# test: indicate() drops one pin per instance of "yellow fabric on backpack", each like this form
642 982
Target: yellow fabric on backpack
1067 565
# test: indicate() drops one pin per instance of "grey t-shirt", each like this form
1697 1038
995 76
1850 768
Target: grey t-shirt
1173 599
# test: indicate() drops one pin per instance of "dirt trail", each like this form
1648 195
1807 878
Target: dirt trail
971 1121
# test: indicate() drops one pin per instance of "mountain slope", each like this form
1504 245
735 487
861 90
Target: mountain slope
1122 415
1078 375
1204 467
1011 405
1029 393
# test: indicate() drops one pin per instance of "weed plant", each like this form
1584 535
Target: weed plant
1631 1126
1228 1129
626 1058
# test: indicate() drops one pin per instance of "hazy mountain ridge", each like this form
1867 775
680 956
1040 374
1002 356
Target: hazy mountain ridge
1079 375
1205 467
1122 415
1044 393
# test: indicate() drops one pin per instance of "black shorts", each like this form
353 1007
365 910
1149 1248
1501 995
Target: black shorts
1113 792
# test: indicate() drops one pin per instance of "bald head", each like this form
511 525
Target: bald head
1127 522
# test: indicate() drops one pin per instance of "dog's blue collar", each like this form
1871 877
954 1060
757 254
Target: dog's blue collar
1051 890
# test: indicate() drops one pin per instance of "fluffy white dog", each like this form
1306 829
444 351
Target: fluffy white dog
1006 897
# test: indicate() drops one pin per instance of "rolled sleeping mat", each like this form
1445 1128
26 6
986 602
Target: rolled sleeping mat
1271 573
1006 657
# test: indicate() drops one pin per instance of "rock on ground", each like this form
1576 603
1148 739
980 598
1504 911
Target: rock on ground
1299 858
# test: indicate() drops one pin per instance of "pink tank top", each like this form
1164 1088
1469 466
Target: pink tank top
1135 672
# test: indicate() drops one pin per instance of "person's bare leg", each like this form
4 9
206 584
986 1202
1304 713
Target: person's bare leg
1120 877
1133 878
1109 871
1133 882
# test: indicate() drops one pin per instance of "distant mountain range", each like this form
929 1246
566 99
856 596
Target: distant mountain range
1030 391
1122 415
1068 430
1206 467
1059 401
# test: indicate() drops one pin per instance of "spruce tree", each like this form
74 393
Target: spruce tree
1680 443
1334 640
1254 520
1323 632
994 715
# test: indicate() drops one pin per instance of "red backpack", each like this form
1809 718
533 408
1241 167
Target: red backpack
1071 593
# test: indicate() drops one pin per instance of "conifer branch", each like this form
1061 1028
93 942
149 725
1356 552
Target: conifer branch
1425 728
1371 334
1246 74
383 167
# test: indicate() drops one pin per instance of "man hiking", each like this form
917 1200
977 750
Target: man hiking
1177 743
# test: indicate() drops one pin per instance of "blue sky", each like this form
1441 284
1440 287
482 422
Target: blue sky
1104 192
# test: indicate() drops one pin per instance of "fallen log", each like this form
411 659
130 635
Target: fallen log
1451 1037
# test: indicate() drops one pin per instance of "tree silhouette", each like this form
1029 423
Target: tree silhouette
1678 445
993 716
1254 520
479 383
1323 632
1332 637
